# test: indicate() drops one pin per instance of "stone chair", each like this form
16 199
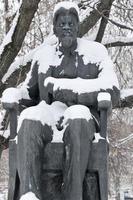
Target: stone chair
95 186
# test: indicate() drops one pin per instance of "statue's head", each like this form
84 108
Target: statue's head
66 23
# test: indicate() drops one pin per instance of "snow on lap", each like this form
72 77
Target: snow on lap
46 114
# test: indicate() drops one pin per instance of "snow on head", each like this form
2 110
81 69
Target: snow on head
29 196
67 5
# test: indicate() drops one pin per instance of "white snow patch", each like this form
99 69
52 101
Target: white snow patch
58 135
11 95
104 96
97 138
67 5
92 52
5 133
75 112
46 114
46 56
126 93
29 196
51 114
14 140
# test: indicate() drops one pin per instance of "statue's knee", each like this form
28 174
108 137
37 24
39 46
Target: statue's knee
77 112
26 119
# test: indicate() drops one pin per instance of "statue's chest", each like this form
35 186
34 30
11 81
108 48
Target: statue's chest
73 67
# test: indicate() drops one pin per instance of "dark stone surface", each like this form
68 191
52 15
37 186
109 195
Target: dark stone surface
96 172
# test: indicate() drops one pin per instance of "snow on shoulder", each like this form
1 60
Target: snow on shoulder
67 5
47 56
93 52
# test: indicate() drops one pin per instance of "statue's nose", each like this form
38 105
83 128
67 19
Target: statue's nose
66 26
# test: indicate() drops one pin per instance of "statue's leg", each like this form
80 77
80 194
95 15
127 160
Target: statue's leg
33 134
77 138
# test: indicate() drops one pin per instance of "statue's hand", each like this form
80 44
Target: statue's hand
10 98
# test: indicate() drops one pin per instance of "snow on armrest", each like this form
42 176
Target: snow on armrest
104 100
11 95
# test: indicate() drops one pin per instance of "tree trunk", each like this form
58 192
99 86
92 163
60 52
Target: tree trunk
27 11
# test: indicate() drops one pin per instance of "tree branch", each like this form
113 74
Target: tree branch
118 43
27 11
94 16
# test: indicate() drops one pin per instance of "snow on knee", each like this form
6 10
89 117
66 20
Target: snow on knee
46 114
29 196
41 112
77 112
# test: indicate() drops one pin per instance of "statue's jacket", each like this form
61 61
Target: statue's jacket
72 77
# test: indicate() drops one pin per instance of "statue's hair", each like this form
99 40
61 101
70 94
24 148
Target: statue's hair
62 11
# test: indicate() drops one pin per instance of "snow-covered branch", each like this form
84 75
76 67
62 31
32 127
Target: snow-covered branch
125 140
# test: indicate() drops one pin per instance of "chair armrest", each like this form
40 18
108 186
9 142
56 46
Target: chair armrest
10 106
105 107
104 101
12 109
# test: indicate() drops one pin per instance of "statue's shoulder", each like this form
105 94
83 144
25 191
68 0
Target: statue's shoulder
44 54
47 47
94 50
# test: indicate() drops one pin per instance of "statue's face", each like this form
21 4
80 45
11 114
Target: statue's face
66 29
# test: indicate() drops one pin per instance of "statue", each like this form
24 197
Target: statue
63 84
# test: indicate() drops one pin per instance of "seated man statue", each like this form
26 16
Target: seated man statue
64 82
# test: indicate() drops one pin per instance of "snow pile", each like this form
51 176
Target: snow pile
77 111
46 114
67 5
92 52
11 95
104 96
97 138
29 196
5 133
14 95
51 114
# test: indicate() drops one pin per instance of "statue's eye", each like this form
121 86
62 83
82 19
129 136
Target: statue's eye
61 24
71 24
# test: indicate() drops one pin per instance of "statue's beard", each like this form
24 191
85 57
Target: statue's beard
67 42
